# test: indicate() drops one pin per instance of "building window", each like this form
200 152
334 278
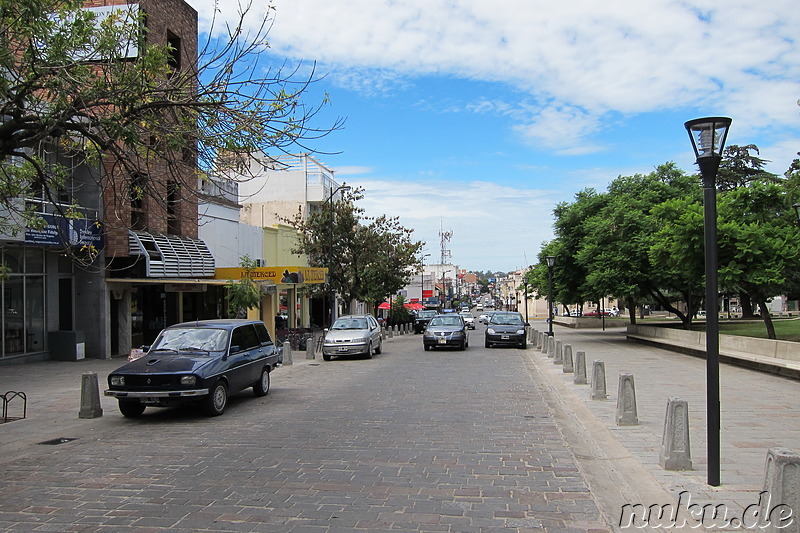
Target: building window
22 296
174 43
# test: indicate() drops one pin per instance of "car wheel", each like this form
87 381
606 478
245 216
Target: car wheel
326 357
463 346
369 351
262 387
523 345
131 409
428 347
379 348
214 404
487 344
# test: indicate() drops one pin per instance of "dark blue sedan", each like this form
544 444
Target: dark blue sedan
197 362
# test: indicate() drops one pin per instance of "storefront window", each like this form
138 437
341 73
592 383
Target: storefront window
23 301
34 313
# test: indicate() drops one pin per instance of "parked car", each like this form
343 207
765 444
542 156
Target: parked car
506 328
446 331
468 318
423 317
479 307
197 362
353 335
595 312
465 309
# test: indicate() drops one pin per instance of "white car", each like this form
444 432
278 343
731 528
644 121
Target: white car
469 320
479 307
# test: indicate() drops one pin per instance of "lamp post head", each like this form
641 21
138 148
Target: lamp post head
708 136
551 260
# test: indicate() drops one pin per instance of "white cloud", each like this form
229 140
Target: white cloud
584 58
492 224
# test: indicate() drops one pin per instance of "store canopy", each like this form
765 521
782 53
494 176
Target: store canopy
415 306
384 305
170 256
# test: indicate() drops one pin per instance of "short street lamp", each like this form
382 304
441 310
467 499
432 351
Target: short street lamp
708 137
332 296
551 260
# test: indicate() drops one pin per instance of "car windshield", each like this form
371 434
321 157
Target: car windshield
427 314
350 323
506 320
466 315
445 321
203 339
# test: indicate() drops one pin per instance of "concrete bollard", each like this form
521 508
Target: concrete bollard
558 353
544 344
551 346
310 348
383 333
287 353
626 401
90 396
569 366
580 368
782 487
539 338
599 381
675 451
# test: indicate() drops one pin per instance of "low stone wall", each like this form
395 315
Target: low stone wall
579 322
780 357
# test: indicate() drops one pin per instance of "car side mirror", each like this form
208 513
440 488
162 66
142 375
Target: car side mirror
234 349
146 348
527 324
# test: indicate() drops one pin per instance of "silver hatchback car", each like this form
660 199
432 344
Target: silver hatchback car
353 335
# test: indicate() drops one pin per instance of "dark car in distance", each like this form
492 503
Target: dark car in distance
506 328
423 317
200 362
446 331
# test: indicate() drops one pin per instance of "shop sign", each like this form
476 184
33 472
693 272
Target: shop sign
277 275
61 231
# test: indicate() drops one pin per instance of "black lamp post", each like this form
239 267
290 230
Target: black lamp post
708 137
332 295
551 260
422 280
525 284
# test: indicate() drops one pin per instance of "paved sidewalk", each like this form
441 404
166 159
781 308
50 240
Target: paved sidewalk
758 411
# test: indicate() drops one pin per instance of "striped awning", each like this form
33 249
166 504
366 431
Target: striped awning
171 256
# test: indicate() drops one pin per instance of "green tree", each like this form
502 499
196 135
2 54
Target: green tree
66 82
759 243
368 259
243 294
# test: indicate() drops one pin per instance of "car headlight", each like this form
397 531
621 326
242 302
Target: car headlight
188 380
520 332
490 331
117 381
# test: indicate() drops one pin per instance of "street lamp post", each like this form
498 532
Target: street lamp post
525 284
708 137
422 280
551 260
332 294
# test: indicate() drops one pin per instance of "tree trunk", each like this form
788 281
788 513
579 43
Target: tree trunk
767 319
631 305
746 303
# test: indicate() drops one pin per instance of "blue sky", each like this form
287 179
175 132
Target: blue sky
478 118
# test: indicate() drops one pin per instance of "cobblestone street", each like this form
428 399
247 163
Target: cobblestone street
408 441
